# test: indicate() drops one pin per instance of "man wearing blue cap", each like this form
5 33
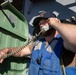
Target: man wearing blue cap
46 52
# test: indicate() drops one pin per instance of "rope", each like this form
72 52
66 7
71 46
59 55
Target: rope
63 67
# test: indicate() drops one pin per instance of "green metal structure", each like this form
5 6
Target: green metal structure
13 33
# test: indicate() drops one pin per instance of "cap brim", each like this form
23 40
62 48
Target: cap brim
37 20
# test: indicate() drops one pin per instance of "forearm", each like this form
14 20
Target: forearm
13 49
20 53
10 50
67 32
24 52
5 52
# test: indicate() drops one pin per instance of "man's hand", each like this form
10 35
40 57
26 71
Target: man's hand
53 21
2 53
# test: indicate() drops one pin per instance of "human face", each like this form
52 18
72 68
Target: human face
42 23
50 31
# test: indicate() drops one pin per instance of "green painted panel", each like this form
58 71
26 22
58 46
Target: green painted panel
13 33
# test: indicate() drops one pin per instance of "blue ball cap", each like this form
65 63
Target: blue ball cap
45 15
